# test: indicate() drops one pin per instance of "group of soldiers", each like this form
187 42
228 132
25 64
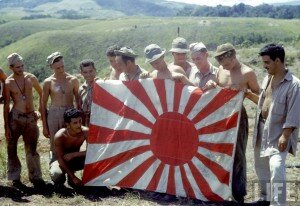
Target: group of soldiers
275 131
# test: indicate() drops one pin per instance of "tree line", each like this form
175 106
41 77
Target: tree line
243 10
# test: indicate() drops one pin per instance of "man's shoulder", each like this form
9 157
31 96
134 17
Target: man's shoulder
191 64
246 69
9 79
295 81
173 67
60 133
71 77
49 79
28 75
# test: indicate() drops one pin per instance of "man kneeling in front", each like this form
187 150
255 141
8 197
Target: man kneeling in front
67 143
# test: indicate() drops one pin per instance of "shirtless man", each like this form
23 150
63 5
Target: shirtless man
21 120
62 88
115 71
235 75
125 60
179 52
67 143
88 71
203 71
155 56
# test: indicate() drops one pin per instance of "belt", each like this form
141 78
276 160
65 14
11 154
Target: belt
21 114
60 107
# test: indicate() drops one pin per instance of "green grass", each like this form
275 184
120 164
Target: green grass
80 39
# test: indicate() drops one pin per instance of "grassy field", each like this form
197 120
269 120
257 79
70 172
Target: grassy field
80 39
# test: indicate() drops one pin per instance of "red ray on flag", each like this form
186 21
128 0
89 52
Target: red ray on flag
163 136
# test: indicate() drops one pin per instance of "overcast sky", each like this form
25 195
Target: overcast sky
231 2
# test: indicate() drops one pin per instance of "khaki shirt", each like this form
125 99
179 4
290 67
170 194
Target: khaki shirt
199 79
86 94
283 113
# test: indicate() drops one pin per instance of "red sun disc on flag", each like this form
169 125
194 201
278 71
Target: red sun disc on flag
174 139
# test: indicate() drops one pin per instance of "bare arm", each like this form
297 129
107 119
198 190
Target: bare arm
6 108
2 76
253 91
75 83
70 156
44 101
179 74
39 90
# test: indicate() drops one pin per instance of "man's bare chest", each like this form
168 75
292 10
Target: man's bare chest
59 87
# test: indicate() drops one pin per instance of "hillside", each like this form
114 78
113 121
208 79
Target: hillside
80 39
99 9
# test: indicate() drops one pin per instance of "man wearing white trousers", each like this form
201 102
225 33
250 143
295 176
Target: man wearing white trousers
277 124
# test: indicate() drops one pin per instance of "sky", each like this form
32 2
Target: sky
231 2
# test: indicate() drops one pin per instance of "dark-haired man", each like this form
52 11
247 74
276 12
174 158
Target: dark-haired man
277 124
88 71
21 120
115 71
235 75
62 88
67 143
125 59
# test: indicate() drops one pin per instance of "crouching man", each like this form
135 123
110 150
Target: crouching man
67 143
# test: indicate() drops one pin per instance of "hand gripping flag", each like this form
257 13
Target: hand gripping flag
163 136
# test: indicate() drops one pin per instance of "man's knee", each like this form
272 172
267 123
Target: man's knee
277 167
56 174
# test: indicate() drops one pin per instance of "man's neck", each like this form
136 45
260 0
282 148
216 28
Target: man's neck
204 68
280 73
60 75
184 65
164 67
17 76
71 133
237 66
132 70
91 82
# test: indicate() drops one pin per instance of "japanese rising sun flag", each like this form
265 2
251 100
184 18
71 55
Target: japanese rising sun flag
163 136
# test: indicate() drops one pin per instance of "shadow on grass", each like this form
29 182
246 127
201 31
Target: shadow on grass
21 192
98 193
13 193
165 199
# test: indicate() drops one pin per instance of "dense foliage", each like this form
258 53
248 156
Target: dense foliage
242 10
